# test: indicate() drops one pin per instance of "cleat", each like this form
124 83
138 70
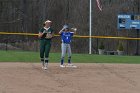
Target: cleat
62 66
45 68
71 65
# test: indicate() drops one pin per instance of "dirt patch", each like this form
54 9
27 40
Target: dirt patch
87 78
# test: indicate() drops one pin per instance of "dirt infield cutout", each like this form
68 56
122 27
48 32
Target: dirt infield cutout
87 78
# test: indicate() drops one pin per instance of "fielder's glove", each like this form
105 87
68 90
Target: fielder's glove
49 36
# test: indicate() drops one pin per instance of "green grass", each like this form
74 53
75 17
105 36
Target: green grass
24 56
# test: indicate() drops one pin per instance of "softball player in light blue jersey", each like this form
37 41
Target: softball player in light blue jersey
66 37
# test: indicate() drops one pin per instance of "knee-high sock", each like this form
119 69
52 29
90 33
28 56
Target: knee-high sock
46 60
69 60
42 61
62 60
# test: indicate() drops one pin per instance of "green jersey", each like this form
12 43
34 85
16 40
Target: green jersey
48 31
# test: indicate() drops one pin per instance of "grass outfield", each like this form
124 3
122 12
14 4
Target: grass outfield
24 56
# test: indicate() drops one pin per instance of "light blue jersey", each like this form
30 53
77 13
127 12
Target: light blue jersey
66 37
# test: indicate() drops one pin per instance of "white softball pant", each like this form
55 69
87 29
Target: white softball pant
65 48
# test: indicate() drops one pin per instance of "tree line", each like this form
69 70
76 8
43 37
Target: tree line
28 16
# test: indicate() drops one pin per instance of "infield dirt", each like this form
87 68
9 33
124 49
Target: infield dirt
87 78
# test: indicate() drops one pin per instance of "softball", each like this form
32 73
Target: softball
75 29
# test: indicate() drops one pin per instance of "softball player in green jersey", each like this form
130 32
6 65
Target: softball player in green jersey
45 35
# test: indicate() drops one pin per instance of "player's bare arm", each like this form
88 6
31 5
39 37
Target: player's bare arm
61 30
40 34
